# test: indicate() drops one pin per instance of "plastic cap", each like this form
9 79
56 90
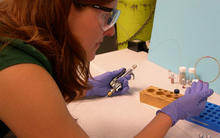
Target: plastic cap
182 69
191 70
195 80
176 91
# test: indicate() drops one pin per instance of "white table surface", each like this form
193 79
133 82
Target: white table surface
124 116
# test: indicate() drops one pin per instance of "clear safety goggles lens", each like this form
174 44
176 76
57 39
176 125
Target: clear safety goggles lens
111 19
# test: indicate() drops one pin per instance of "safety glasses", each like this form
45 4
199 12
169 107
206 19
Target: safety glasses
109 19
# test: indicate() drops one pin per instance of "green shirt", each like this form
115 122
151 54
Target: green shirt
18 52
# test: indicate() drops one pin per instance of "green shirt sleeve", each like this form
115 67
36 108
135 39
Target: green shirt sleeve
18 52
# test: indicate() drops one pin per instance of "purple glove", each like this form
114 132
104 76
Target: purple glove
191 104
101 84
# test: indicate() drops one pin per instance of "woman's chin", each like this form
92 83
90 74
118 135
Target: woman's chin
90 58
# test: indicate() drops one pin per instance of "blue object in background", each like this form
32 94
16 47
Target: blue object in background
209 118
183 32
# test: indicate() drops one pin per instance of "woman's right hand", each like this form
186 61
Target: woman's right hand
191 104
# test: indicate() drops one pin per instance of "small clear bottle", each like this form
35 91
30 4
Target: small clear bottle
171 76
182 75
191 76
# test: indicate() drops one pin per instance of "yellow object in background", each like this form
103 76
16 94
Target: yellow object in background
135 21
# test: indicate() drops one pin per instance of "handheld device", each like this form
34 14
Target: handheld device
115 84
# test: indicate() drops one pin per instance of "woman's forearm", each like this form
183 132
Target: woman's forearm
157 128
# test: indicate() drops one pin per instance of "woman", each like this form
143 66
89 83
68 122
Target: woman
46 46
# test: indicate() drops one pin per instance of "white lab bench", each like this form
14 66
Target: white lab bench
124 116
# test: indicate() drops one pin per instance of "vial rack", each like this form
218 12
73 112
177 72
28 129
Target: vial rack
209 117
158 97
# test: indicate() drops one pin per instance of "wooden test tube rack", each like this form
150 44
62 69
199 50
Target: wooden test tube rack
158 97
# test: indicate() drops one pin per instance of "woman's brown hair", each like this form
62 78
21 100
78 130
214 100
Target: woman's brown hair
43 24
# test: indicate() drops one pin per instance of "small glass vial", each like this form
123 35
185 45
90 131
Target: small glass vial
182 75
191 77
171 76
